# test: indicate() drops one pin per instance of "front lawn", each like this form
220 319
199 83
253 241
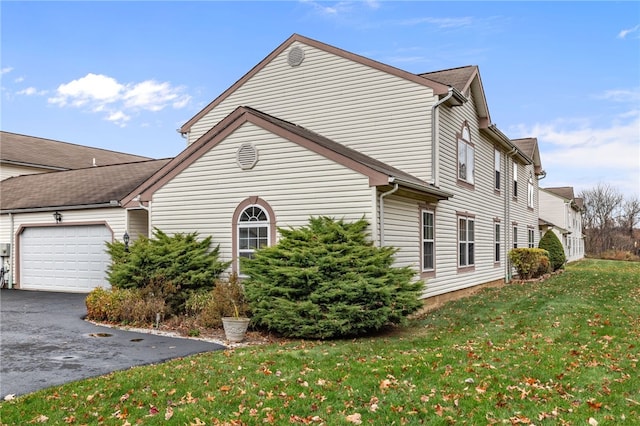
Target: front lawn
564 351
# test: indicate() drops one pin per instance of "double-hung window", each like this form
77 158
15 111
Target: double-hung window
515 179
515 237
466 156
497 161
253 231
531 238
428 240
496 242
466 241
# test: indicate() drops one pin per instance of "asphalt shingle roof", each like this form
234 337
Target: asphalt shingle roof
459 78
48 153
82 187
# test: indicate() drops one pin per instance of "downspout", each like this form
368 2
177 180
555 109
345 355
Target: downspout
384 194
507 215
434 134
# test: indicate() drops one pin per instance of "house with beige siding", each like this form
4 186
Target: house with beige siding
561 212
313 130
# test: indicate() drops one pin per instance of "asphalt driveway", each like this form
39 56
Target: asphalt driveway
44 341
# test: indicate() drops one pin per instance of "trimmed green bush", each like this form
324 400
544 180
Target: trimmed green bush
327 280
170 267
552 244
529 262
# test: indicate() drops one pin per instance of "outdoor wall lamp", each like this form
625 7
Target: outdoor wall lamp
58 217
125 238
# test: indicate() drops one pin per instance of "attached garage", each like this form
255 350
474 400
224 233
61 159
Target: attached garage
64 258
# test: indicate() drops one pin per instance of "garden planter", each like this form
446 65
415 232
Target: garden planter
235 328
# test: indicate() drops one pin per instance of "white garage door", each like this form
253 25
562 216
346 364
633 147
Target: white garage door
64 258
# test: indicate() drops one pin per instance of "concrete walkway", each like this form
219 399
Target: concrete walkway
44 341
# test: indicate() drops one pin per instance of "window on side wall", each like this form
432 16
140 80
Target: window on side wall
530 192
515 237
498 162
428 241
466 156
515 179
531 238
466 241
496 242
253 232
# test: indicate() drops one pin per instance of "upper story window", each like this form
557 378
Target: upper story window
498 162
530 192
466 156
515 179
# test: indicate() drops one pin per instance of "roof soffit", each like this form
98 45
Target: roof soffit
438 88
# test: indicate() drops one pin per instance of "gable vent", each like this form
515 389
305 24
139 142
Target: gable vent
247 156
296 56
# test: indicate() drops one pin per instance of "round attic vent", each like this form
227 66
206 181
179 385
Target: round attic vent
247 156
296 56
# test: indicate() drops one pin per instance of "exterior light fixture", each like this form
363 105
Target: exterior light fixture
58 217
125 238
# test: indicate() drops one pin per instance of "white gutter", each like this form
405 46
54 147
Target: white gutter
434 144
384 194
11 251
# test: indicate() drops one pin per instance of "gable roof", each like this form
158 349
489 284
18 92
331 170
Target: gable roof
92 187
379 173
55 155
529 146
465 79
438 88
567 193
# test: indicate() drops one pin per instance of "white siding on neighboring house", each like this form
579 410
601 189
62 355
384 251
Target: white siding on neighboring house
567 223
296 182
10 170
376 113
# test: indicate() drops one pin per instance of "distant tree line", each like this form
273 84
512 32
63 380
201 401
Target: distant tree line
610 221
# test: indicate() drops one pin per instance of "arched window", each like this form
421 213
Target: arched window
530 192
466 156
254 224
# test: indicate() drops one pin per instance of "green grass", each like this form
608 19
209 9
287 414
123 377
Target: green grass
564 351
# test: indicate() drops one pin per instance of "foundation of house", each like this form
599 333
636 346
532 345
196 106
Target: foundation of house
435 302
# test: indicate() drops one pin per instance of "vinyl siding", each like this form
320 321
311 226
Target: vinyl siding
10 170
113 217
297 183
381 115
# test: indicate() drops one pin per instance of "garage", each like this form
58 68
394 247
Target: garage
64 258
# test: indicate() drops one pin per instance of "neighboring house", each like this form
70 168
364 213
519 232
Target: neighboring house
42 177
561 212
23 155
313 130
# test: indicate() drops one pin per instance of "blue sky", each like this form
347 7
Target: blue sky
125 75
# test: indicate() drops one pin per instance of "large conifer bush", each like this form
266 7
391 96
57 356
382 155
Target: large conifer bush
327 280
552 244
171 267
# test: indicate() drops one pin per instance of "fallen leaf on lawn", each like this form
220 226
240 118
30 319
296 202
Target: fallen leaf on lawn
197 422
355 418
41 419
153 410
168 414
593 422
385 384
10 397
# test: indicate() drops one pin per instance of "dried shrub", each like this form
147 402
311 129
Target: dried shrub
227 299
620 255
128 306
529 262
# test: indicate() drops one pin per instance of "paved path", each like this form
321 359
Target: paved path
44 341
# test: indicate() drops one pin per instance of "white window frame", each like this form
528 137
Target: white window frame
498 167
515 179
515 236
531 239
496 242
530 192
427 239
466 241
466 156
261 239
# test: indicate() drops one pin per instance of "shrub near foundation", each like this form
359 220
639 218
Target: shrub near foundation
128 306
529 262
552 244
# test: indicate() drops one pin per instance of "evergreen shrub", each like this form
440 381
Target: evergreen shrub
327 280
529 262
169 267
552 244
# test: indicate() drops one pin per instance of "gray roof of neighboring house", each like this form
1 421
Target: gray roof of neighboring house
562 191
56 155
90 187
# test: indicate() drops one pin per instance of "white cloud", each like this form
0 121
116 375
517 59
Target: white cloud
440 22
621 95
624 33
99 93
19 80
580 153
30 91
5 70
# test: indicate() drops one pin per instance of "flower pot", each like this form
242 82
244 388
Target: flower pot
235 328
